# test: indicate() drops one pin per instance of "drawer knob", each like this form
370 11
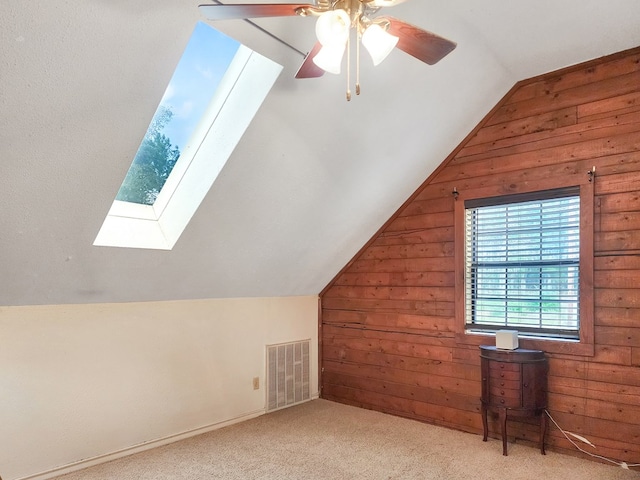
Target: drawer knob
502 401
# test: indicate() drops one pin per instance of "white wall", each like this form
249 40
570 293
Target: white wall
80 384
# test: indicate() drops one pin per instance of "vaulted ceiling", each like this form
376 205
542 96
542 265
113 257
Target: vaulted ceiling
312 179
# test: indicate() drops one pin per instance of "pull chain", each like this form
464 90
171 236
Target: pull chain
358 41
348 68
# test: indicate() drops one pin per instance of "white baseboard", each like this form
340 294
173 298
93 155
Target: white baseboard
107 457
89 462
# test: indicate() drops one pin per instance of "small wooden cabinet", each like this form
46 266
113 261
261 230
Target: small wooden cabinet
514 383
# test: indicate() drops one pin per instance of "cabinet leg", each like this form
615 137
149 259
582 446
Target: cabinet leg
485 427
503 428
543 430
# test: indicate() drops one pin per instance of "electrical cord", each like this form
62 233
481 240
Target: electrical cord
624 465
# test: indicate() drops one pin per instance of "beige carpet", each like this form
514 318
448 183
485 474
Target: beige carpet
325 440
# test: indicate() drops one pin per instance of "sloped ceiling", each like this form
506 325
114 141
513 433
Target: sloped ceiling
314 176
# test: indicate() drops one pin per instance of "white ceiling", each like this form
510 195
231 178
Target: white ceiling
314 176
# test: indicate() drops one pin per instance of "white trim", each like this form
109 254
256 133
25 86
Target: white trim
107 457
143 447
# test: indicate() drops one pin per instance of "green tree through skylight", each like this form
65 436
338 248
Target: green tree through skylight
152 164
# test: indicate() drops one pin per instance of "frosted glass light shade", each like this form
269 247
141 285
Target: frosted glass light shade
378 42
329 58
333 27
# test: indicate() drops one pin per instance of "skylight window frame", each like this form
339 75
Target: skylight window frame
237 99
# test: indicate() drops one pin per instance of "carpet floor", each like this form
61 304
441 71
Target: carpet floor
325 440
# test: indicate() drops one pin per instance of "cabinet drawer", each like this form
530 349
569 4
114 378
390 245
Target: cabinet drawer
505 375
502 383
504 367
505 397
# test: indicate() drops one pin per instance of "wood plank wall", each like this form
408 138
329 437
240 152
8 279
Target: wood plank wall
387 320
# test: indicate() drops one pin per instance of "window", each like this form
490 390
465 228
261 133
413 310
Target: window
524 261
191 137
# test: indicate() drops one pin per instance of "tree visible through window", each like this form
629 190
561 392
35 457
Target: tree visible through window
152 164
522 257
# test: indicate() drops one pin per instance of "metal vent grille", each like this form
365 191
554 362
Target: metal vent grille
287 374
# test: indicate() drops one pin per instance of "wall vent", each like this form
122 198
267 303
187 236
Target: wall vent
288 374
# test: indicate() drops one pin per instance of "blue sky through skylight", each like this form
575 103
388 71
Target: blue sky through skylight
198 74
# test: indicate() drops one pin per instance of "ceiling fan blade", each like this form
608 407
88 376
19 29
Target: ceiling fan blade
250 10
308 69
383 3
425 46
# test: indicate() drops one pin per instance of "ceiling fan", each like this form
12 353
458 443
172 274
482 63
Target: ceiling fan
336 20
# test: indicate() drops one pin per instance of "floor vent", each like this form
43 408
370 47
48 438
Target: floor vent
287 374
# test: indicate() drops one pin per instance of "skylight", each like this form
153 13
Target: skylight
213 95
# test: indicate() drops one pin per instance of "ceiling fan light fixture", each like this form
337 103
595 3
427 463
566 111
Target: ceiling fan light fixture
378 42
335 20
329 58
332 27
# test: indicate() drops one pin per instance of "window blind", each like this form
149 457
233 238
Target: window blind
523 264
